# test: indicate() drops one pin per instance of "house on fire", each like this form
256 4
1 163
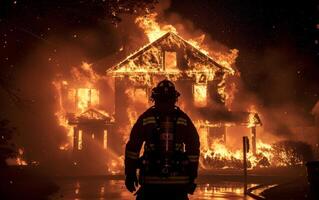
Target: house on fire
200 80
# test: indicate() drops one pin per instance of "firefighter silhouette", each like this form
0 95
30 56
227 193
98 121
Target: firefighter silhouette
168 166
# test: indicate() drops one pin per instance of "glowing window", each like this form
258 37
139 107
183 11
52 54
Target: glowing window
105 139
86 97
140 96
71 94
200 95
80 140
170 60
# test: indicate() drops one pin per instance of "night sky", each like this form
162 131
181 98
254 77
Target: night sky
278 41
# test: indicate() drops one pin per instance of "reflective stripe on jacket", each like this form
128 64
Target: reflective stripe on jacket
186 135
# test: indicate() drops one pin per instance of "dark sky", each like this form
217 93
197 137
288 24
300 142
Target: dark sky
278 41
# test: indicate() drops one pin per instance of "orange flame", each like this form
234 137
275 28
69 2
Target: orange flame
81 94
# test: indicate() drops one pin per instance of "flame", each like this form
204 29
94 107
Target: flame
76 95
64 147
141 70
138 99
87 97
151 28
200 95
18 160
141 79
154 30
216 154
252 121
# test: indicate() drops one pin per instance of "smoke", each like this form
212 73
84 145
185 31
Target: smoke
269 83
104 45
38 131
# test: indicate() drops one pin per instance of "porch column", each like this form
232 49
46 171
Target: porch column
253 139
75 139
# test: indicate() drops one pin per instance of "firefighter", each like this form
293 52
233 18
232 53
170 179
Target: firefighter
168 166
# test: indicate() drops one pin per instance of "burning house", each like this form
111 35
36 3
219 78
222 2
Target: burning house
90 129
99 120
82 114
199 78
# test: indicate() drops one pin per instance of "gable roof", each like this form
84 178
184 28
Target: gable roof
90 116
232 118
169 37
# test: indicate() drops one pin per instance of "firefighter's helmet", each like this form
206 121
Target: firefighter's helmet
165 90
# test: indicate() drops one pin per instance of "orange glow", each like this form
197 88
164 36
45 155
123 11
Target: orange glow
151 28
87 97
170 61
217 151
18 160
76 95
200 95
115 167
251 118
142 74
80 140
105 139
64 147
154 30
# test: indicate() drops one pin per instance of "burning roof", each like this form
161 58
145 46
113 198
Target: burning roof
90 115
231 118
148 58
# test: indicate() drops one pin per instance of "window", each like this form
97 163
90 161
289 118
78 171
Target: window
170 60
200 95
86 97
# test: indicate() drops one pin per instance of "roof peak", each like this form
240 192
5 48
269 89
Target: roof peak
165 35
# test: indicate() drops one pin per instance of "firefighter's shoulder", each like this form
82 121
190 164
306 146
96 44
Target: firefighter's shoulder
182 117
148 117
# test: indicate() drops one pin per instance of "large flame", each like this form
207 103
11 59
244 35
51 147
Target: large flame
214 153
76 95
216 150
152 29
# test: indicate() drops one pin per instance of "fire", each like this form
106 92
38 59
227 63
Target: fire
154 30
200 95
138 101
76 95
86 97
18 160
141 72
64 147
151 28
219 156
251 118
216 154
